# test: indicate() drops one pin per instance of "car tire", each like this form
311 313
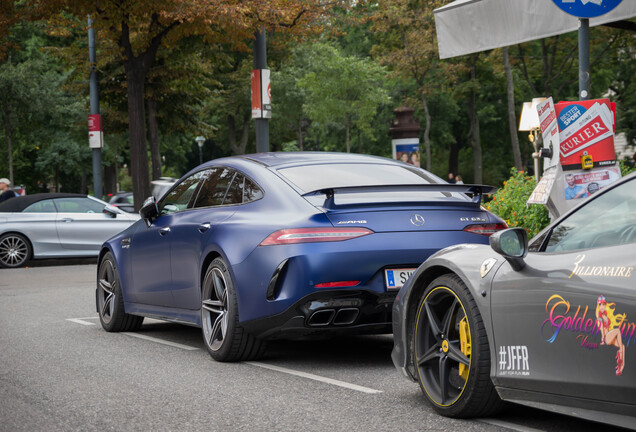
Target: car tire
224 338
110 301
15 250
451 352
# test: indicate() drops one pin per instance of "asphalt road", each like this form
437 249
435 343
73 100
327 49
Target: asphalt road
60 371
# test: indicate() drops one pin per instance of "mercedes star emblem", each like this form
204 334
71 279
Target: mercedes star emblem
417 220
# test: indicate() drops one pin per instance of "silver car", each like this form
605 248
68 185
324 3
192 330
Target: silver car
56 225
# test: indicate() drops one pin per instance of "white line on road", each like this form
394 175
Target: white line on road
315 378
161 341
507 425
80 321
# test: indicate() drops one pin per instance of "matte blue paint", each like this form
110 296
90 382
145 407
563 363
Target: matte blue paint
161 275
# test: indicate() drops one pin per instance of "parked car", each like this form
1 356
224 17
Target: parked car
56 225
123 201
549 323
283 245
160 186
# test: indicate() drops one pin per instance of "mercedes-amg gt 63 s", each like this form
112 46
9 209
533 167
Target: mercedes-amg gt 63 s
283 245
550 323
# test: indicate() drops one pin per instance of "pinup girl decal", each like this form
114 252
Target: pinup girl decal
609 325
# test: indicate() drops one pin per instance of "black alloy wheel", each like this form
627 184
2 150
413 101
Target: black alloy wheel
224 337
451 352
110 302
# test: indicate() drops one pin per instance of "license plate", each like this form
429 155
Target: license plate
396 278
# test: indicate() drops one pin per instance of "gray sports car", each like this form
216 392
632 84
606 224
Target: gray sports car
549 324
56 225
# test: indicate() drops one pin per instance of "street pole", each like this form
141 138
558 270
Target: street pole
260 62
94 109
584 58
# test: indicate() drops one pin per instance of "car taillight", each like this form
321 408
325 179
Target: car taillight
487 229
339 284
312 235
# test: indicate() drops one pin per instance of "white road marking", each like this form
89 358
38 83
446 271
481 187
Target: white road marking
161 341
507 425
80 321
315 377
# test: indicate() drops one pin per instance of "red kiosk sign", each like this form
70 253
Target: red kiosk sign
586 128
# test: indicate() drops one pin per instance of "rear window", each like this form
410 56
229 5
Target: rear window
313 177
323 176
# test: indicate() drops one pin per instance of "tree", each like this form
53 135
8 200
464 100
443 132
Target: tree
408 43
140 28
343 89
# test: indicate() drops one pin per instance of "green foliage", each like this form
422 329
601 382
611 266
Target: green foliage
509 203
291 146
344 90
627 167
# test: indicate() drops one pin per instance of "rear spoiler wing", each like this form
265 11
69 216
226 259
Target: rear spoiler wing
475 190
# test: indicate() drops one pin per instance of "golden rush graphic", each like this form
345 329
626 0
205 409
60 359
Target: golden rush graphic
596 328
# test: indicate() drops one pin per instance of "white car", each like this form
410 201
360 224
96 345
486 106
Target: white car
56 225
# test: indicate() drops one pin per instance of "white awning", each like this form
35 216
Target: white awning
469 26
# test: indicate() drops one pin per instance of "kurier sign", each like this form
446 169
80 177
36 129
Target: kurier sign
586 129
587 8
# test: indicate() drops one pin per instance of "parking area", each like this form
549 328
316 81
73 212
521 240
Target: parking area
61 371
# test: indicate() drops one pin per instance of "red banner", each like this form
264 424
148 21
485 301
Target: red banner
94 122
256 94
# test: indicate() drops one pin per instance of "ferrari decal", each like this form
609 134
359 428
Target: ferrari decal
486 266
513 360
605 271
596 328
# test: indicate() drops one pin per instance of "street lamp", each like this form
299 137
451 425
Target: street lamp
530 122
200 140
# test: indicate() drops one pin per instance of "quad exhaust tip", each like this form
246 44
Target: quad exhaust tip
339 317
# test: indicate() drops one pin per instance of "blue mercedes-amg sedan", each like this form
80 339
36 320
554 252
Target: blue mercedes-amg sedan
283 245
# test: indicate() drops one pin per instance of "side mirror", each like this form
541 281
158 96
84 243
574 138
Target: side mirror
110 210
512 244
149 210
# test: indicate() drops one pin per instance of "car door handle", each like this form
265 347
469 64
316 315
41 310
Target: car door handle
67 220
204 227
163 231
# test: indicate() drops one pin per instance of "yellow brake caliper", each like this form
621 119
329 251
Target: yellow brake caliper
465 345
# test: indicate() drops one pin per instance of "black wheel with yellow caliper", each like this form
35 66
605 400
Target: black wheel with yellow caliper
451 353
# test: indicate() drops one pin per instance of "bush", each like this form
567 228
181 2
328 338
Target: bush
627 167
509 203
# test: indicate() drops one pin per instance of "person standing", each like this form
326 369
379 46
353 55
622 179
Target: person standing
451 178
5 191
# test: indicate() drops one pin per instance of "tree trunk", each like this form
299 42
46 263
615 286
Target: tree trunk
137 127
347 138
153 138
8 129
300 135
237 148
475 139
427 130
137 66
83 185
512 118
453 155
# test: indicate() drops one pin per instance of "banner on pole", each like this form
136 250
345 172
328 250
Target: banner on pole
95 133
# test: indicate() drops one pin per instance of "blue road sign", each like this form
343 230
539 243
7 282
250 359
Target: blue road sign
587 8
